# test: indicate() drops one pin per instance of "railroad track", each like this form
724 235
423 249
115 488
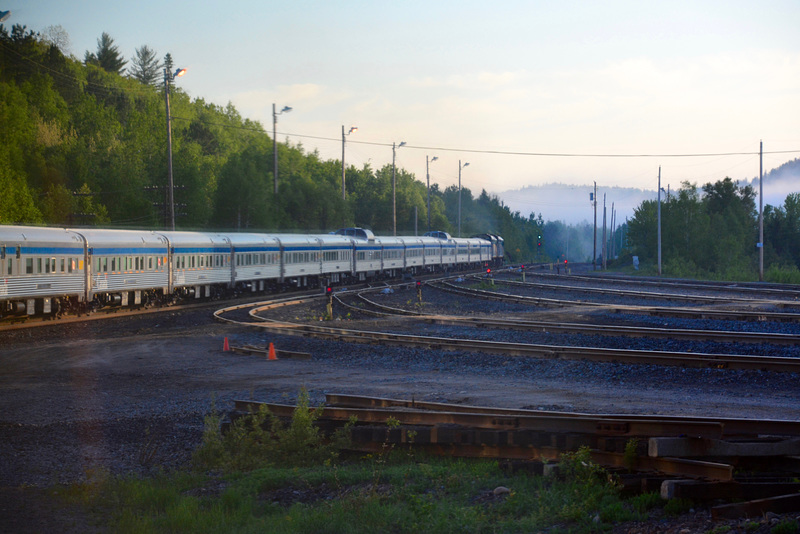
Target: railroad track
678 312
785 291
628 356
670 297
585 329
707 448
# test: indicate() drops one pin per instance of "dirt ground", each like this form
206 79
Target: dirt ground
129 396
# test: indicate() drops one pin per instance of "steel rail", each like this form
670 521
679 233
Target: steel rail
644 294
594 425
590 329
731 427
738 287
680 359
687 313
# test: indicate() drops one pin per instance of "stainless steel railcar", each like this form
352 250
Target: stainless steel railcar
49 270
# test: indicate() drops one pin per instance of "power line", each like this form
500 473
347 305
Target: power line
418 147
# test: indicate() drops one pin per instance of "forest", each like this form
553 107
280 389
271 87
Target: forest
84 143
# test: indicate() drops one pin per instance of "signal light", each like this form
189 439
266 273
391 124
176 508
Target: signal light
565 262
419 284
328 290
488 271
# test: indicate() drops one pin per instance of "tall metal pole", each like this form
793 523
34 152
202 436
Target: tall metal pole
760 212
604 248
394 187
343 140
594 239
659 220
394 192
459 194
428 178
170 198
275 149
459 198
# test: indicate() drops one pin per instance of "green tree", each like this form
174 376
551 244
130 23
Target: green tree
144 66
107 57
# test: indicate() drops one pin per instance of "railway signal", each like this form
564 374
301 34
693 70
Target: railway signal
329 293
419 291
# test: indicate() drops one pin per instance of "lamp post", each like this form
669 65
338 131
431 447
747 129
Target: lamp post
352 129
460 166
659 220
286 109
428 177
394 187
168 77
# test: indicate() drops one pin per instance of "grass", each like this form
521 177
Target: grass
264 476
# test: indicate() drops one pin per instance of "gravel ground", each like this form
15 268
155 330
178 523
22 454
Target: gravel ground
128 396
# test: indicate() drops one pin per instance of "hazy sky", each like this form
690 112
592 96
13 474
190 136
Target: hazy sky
594 77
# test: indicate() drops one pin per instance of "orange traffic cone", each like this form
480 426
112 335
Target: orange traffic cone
271 355
225 346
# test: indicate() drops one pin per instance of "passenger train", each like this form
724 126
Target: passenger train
49 271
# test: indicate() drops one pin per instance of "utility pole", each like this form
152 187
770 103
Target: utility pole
459 194
659 220
275 114
760 212
394 187
428 177
594 239
605 248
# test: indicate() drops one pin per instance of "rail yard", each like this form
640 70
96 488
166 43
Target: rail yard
128 394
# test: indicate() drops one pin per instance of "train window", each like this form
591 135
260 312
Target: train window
150 263
38 265
28 265
113 264
10 265
71 265
3 252
63 265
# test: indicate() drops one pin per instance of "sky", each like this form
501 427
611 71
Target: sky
492 84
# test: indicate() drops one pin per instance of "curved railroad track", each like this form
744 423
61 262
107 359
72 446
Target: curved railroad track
579 328
629 356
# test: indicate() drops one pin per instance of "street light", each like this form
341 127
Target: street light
352 129
659 220
394 187
286 109
168 77
4 15
460 166
428 177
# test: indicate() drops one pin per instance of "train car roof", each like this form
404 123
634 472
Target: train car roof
195 238
236 238
13 235
330 240
113 238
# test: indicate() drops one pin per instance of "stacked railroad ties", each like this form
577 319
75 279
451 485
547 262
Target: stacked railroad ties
683 457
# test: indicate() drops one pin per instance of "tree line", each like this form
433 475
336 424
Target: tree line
713 232
84 144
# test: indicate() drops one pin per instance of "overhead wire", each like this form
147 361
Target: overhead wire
111 89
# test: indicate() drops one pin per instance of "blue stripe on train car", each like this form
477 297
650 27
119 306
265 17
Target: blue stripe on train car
263 249
50 250
113 251
201 250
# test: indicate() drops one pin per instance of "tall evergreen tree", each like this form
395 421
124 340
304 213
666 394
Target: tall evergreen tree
145 67
168 64
107 56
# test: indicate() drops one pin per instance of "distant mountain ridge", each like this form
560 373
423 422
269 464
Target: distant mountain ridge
571 205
